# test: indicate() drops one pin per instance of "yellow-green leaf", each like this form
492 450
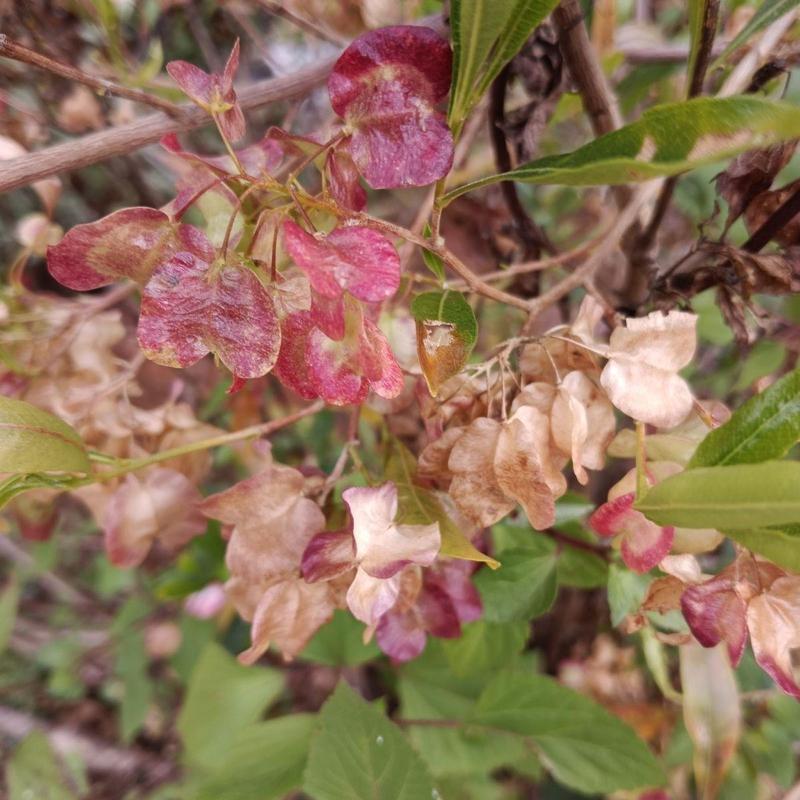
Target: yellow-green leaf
32 440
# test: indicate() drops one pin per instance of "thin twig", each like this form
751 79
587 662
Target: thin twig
588 547
277 9
122 139
19 52
774 223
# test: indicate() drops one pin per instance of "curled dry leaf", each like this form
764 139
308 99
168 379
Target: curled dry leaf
644 356
272 525
382 548
386 86
162 505
212 92
191 307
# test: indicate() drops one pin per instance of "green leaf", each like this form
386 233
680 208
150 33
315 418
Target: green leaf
626 590
667 140
222 698
582 744
33 773
524 587
487 34
780 544
432 261
767 12
446 333
132 669
732 497
9 601
263 760
32 440
418 506
358 754
485 647
340 643
766 427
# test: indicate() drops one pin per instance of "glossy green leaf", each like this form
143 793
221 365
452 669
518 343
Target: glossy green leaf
667 140
767 13
582 744
358 754
264 760
340 643
446 333
780 544
767 426
418 506
487 34
732 497
524 587
432 261
222 698
32 440
9 601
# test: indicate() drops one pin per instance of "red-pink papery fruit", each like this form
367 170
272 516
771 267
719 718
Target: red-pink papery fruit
190 308
263 156
403 631
213 92
340 372
129 243
328 555
715 612
354 259
343 181
773 619
643 543
386 86
454 577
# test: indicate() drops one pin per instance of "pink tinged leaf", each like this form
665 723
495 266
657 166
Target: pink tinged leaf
383 547
354 259
643 543
328 555
161 505
369 598
187 312
773 619
129 243
386 86
715 612
343 181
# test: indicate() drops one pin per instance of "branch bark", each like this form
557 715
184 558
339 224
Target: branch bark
122 139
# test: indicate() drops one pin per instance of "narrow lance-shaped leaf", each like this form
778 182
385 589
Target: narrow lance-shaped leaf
767 12
780 544
418 506
733 497
487 34
767 426
667 140
32 440
446 333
